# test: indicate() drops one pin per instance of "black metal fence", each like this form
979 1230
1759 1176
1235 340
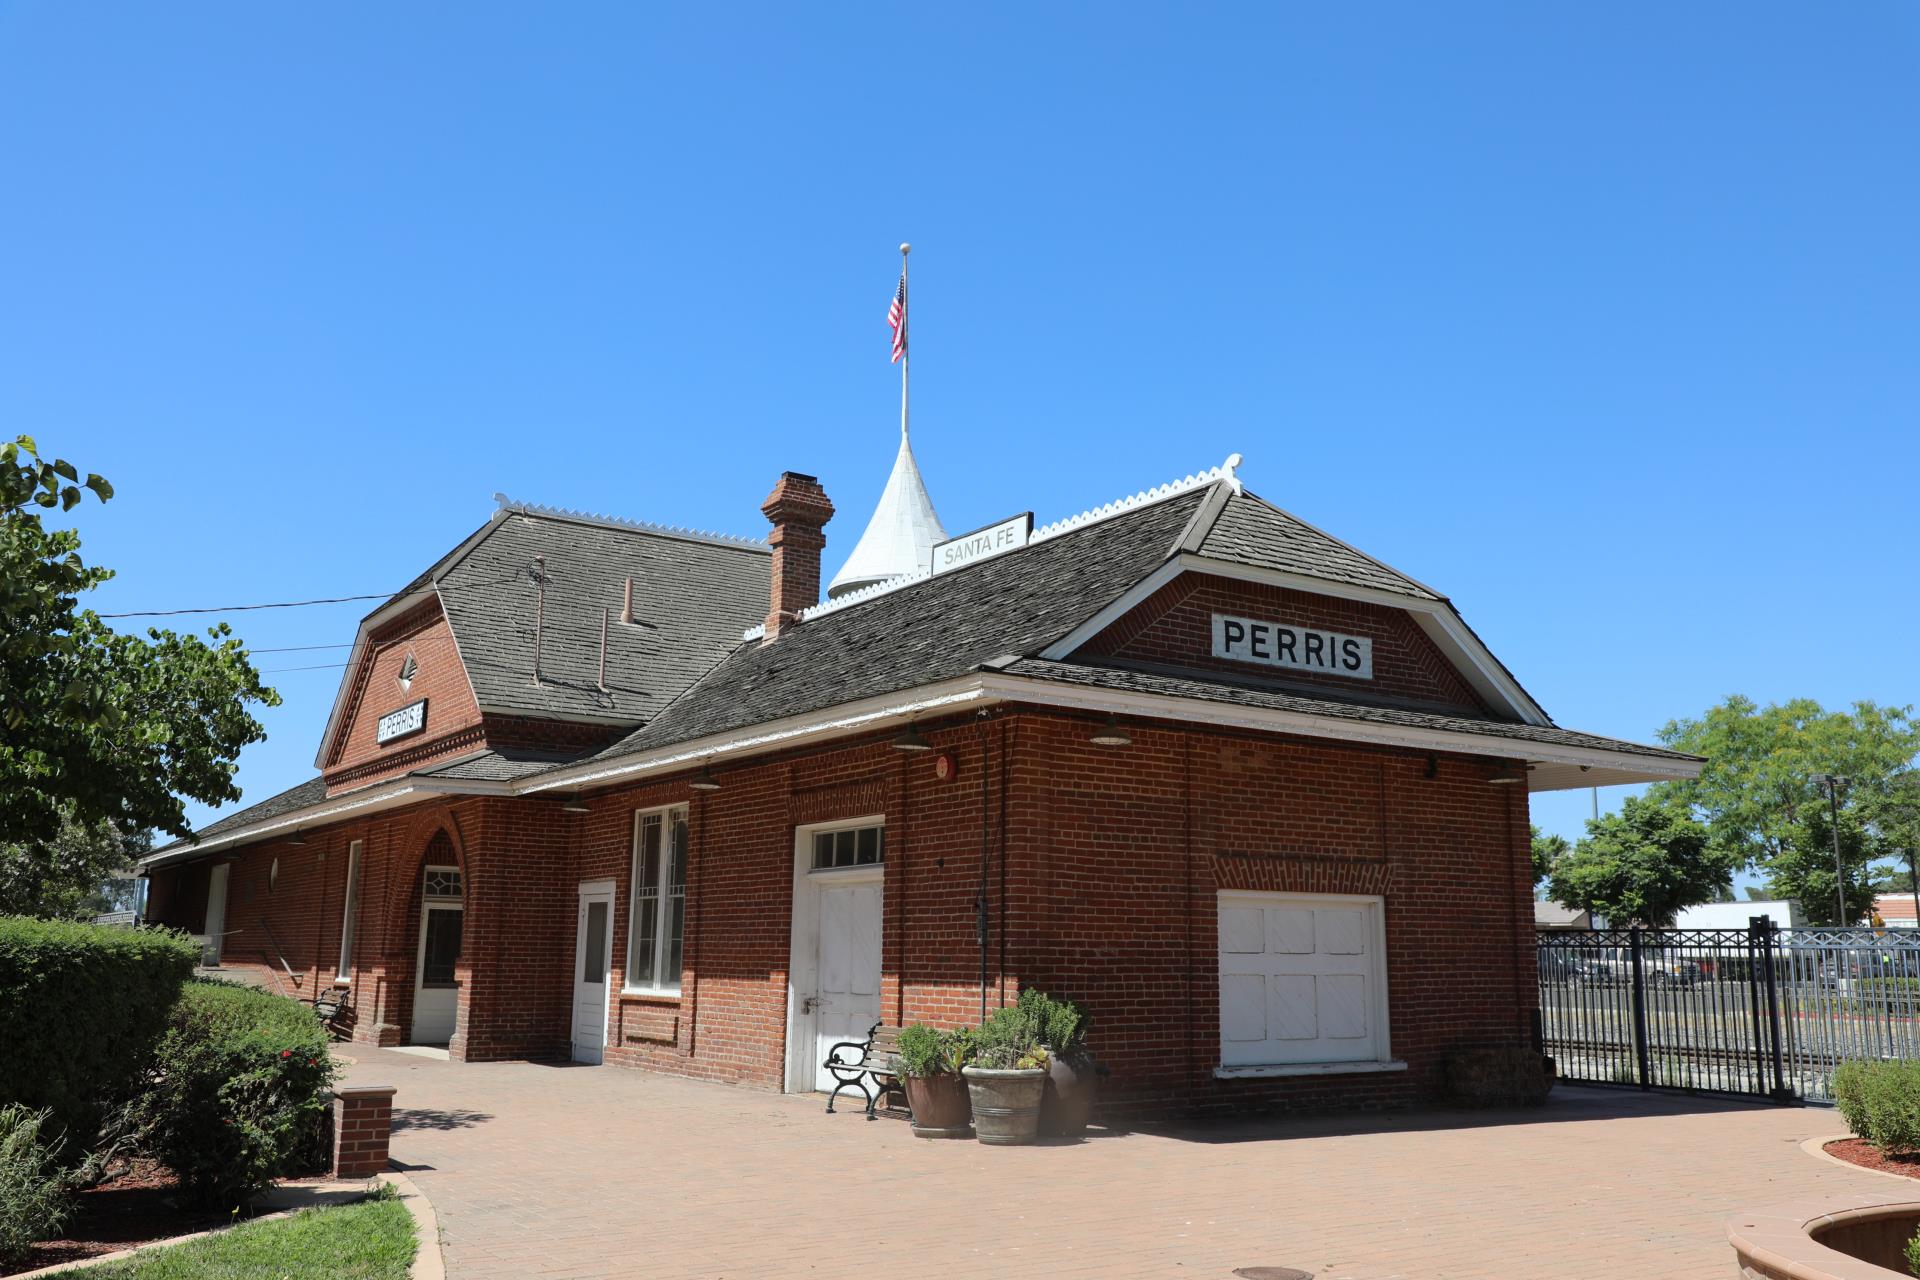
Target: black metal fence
1761 1011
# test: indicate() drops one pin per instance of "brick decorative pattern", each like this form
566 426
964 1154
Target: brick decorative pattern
453 719
362 1121
1174 628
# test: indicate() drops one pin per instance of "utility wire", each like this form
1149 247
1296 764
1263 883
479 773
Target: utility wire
241 608
552 579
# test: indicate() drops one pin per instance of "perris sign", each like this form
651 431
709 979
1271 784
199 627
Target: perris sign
1297 648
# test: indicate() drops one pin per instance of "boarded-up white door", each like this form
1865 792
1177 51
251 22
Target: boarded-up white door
848 1002
1301 980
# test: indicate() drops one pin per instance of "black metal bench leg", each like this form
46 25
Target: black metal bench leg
849 1084
879 1092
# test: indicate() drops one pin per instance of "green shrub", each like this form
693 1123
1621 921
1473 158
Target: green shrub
80 1008
1062 1023
33 1188
1880 1102
1913 1255
1009 1038
924 1052
241 1077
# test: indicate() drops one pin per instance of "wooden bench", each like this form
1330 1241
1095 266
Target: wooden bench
852 1063
335 1009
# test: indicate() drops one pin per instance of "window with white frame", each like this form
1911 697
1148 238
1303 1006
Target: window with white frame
856 846
657 909
349 914
1303 980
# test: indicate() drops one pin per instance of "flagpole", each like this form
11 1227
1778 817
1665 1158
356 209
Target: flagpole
906 356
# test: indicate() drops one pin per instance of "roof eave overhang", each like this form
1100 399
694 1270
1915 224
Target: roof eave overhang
1554 766
353 804
1551 766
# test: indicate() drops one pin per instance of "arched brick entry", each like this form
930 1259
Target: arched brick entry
433 841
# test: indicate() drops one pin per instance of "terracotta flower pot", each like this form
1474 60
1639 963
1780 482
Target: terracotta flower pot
940 1106
1006 1104
1067 1103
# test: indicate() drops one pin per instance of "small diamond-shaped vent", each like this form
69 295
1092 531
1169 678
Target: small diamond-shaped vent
408 668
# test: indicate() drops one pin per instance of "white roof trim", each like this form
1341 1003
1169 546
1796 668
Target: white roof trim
332 809
1554 766
1435 617
636 526
1145 498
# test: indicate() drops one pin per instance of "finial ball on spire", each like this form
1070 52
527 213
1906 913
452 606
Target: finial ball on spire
905 249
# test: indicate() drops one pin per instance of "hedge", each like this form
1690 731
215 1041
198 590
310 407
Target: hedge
81 1007
1880 1102
241 1079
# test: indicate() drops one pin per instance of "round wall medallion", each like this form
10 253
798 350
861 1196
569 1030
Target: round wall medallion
945 766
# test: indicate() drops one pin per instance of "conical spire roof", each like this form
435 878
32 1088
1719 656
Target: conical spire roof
900 537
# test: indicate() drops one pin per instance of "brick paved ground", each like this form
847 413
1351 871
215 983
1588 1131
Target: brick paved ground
575 1171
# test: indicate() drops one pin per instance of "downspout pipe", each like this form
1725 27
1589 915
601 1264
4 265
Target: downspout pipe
980 901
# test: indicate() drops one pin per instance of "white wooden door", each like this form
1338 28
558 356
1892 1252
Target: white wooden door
592 957
847 1001
1302 980
436 967
216 911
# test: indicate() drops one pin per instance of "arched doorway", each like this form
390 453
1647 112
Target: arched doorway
442 920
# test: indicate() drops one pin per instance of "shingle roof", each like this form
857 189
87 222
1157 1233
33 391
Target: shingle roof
1253 531
299 796
1221 689
692 597
497 766
934 629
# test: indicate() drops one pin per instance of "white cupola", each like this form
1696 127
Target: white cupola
900 538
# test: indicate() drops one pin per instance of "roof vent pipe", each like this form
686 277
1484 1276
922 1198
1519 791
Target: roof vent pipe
539 612
603 650
626 604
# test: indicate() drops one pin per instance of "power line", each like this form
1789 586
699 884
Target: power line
303 648
442 588
242 608
325 666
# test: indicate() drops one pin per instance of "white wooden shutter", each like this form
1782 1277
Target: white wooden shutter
1302 979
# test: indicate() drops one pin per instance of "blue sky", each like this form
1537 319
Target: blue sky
1600 319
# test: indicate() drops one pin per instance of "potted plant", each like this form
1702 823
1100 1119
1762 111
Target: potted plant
928 1063
1073 1077
1006 1073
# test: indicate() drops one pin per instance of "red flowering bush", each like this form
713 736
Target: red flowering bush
242 1078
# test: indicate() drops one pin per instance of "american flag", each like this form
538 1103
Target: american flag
897 319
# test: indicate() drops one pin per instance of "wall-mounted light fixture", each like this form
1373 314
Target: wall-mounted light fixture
1509 775
1110 734
909 739
704 780
575 804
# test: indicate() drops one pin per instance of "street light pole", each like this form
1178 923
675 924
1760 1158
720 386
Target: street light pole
1832 782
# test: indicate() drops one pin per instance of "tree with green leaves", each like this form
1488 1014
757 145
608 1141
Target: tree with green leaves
1757 787
1642 865
64 878
1546 851
1804 870
96 725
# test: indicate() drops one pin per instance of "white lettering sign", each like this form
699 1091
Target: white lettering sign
1297 648
411 718
982 544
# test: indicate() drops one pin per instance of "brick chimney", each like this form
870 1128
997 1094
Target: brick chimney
799 509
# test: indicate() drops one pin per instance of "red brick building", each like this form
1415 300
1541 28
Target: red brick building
600 789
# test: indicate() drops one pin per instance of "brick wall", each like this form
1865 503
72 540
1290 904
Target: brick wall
1174 628
1103 866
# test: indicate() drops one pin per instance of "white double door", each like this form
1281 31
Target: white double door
837 973
592 957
